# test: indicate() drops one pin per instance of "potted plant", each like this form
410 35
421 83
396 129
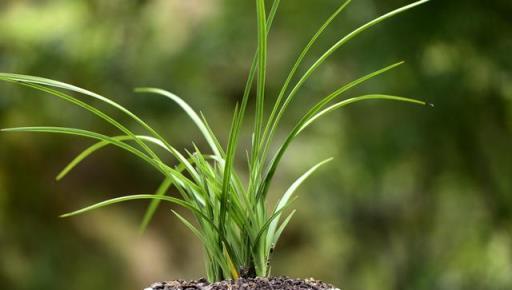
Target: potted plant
235 225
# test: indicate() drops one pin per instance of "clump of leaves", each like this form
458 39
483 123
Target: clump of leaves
237 229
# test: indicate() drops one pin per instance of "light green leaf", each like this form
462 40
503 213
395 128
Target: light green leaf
330 51
286 197
150 211
210 138
280 230
297 64
97 146
358 99
130 198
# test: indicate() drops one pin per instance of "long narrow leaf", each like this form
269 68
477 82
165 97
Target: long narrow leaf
97 146
81 104
300 126
35 81
281 228
275 161
357 99
210 138
130 198
150 211
205 241
262 70
230 155
329 52
266 225
79 132
299 61
286 198
179 178
239 116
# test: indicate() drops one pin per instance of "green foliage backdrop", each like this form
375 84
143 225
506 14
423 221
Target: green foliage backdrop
415 199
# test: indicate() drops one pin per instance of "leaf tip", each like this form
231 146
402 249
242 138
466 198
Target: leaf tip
421 2
326 160
142 90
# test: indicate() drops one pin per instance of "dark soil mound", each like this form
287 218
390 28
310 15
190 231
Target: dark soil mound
275 283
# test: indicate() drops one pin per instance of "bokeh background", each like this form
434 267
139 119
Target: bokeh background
416 198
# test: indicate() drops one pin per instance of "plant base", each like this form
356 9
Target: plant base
273 283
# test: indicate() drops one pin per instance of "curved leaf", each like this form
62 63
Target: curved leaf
179 179
286 198
129 198
299 61
36 81
300 126
210 138
357 99
330 51
95 147
150 211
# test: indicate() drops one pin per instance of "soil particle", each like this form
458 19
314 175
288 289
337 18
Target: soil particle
274 283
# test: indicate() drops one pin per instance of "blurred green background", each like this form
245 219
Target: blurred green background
416 198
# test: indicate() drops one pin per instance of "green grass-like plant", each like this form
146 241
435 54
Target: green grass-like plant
237 228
